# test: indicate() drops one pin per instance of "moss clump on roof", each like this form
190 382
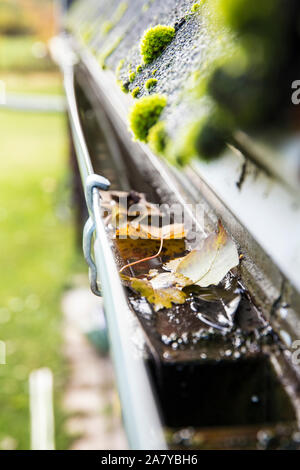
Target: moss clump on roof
132 77
144 114
119 68
251 83
106 27
124 86
246 15
157 137
87 33
139 68
205 138
181 149
154 41
238 89
120 11
152 82
212 135
106 54
195 7
135 91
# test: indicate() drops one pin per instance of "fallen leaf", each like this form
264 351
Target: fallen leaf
135 231
166 280
210 264
128 203
132 250
159 298
134 217
172 264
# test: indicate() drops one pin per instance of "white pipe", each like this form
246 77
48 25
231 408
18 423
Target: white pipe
41 409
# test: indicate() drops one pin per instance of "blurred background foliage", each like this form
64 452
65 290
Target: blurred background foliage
28 17
38 257
25 28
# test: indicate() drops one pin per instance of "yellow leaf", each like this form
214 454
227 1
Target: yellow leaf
210 264
168 232
159 298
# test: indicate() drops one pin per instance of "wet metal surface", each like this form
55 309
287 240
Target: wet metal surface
205 375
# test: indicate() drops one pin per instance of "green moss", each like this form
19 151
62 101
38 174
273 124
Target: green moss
87 33
150 83
139 68
124 86
106 27
212 135
106 54
249 82
132 77
119 68
154 72
195 7
154 41
245 15
205 138
135 92
157 137
236 89
119 13
144 114
180 150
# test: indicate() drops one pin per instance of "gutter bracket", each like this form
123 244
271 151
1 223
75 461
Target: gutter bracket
93 182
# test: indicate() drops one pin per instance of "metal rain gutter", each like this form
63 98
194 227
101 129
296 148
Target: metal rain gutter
140 414
279 208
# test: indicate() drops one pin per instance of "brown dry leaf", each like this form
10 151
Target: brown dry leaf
133 250
121 206
159 298
135 231
209 265
128 203
203 267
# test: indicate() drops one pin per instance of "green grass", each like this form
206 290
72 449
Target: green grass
37 258
16 53
36 82
37 241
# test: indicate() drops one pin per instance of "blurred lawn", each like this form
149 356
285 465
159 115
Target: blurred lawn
37 257
17 53
34 82
22 71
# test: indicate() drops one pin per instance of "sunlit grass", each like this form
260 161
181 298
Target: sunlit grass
36 258
37 249
36 82
17 53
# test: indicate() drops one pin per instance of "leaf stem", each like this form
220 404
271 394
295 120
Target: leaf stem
144 259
